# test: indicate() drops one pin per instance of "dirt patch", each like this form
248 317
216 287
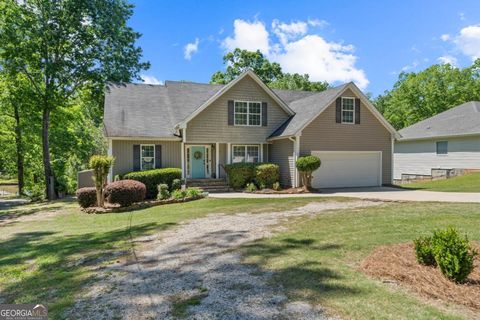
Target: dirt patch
397 263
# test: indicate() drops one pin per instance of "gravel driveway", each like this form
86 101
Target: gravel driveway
192 271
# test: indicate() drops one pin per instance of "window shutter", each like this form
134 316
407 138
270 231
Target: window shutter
136 157
158 156
357 111
338 110
264 114
231 110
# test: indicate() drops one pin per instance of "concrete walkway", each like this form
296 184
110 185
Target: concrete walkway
376 193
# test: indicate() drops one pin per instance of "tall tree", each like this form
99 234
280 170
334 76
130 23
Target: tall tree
271 73
64 46
417 96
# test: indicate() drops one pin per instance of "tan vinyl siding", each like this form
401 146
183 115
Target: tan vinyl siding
211 125
122 150
281 153
324 134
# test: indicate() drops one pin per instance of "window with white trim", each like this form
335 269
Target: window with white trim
245 153
248 113
348 110
147 156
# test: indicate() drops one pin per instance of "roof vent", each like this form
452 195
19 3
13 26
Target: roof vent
428 128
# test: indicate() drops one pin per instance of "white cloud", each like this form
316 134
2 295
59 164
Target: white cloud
445 37
150 79
190 49
297 51
468 41
317 23
411 66
251 36
462 17
448 59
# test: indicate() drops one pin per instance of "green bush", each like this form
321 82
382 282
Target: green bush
424 251
240 174
152 178
100 165
251 187
453 254
306 165
193 192
276 186
163 192
176 184
267 174
179 194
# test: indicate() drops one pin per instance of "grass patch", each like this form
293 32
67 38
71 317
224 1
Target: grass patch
319 258
180 305
50 258
466 183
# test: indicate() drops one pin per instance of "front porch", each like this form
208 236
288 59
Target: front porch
207 161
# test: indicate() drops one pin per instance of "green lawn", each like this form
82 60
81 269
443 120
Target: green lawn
318 258
50 258
466 183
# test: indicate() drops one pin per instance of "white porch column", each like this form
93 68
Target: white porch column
229 153
261 152
184 138
297 154
110 154
217 160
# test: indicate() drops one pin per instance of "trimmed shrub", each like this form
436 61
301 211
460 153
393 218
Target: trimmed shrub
100 165
179 194
251 187
267 174
163 192
306 165
176 184
193 192
453 254
240 174
125 192
87 197
276 186
424 251
152 178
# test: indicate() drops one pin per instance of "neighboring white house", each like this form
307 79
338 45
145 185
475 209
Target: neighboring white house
449 140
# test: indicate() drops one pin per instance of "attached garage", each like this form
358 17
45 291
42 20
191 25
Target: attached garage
348 169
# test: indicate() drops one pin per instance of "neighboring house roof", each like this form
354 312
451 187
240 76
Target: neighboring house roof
458 121
157 111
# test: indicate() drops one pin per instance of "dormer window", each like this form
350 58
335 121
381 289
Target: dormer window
348 110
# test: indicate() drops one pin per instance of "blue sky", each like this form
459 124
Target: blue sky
368 42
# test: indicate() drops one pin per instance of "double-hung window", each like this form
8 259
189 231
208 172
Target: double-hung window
147 156
245 154
248 113
348 110
442 147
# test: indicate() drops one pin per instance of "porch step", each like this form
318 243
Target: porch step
209 185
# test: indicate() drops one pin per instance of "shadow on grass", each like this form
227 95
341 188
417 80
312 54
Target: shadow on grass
302 278
43 267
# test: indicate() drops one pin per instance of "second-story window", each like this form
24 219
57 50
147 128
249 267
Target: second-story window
348 110
248 113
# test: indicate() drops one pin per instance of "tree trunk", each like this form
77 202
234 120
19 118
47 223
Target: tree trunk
20 156
49 190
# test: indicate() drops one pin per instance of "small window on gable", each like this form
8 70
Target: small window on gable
348 110
442 147
147 156
248 113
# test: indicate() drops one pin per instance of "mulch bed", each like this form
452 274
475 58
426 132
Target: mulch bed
398 263
284 191
139 205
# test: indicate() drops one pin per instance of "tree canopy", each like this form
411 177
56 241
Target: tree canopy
417 96
271 73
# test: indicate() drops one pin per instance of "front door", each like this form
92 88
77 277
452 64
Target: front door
198 162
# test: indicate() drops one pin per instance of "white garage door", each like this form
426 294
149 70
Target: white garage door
348 169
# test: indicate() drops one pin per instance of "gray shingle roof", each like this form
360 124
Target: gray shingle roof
461 120
152 111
